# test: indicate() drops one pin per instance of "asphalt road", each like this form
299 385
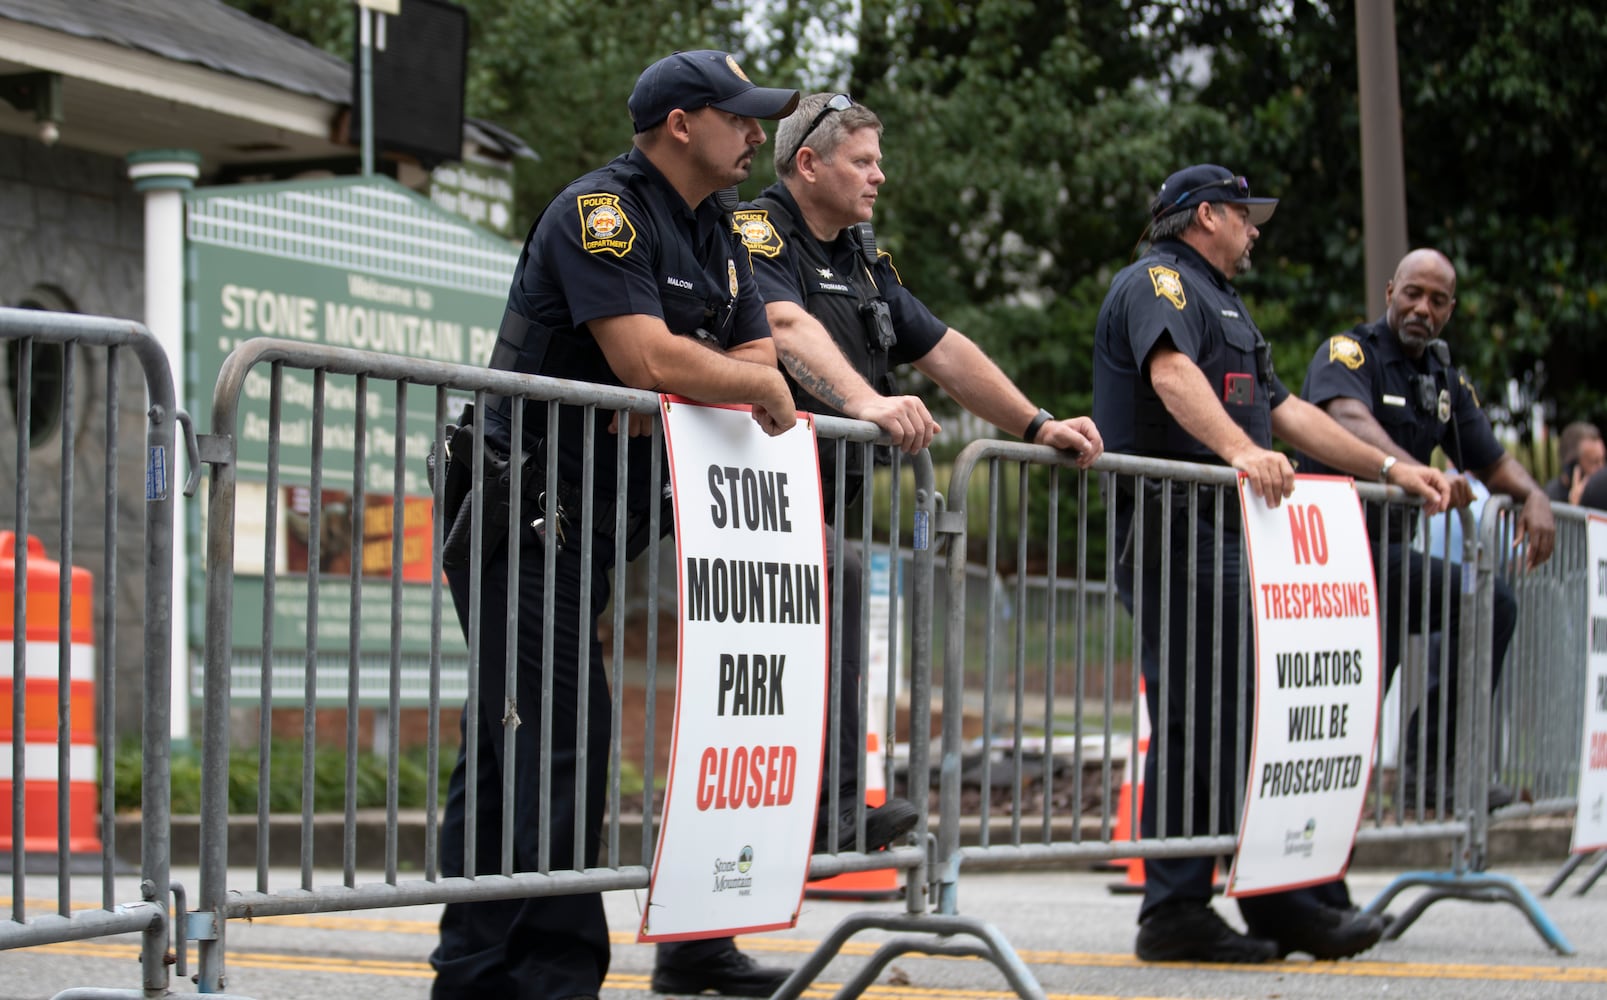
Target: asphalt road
1074 935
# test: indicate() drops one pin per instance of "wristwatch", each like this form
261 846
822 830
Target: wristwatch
1043 417
1383 470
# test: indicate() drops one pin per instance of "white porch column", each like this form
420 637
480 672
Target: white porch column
163 175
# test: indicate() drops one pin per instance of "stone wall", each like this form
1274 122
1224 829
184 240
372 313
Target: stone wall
72 237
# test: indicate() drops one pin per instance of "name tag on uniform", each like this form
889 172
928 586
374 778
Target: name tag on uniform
1238 388
1390 400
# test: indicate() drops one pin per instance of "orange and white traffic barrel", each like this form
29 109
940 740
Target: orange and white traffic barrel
43 704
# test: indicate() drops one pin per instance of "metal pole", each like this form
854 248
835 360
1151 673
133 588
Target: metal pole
1383 174
365 40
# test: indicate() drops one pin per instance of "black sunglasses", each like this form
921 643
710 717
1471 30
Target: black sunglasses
1240 186
839 102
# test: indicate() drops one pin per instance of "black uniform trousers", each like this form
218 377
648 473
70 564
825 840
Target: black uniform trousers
1189 880
547 947
557 946
1442 621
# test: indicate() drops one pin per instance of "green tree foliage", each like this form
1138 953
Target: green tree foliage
1500 106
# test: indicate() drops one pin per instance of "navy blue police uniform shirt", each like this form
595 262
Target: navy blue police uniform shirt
792 266
1416 401
1173 294
620 241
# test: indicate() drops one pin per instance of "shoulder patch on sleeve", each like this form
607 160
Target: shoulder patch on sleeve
1469 387
1346 351
886 258
758 235
1168 284
603 225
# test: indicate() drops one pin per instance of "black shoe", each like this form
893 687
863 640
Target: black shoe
885 824
1327 933
1193 932
728 973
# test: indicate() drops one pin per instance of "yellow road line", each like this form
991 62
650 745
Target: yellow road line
419 969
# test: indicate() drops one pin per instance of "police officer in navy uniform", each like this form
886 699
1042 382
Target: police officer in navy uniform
1182 372
632 276
1391 383
842 321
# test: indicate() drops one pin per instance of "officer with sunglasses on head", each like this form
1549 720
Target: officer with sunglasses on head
842 321
1182 372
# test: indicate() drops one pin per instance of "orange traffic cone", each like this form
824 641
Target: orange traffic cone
1130 800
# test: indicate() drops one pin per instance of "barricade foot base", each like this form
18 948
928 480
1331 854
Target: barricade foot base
1477 887
928 935
1570 866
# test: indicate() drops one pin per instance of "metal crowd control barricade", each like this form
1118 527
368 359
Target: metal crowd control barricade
271 373
1459 775
24 332
1536 718
1059 692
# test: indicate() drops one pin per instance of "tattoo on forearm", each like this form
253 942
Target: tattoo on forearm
814 384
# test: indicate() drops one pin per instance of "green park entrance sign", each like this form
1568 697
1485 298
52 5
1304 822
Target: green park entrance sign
359 263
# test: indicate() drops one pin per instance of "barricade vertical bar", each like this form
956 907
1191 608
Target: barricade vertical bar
393 742
582 664
1051 545
1079 662
895 595
927 501
1214 818
1190 659
649 692
315 531
432 750
64 619
862 689
156 765
107 642
471 702
510 655
656 476
354 630
19 643
270 561
213 886
1019 653
1109 483
989 653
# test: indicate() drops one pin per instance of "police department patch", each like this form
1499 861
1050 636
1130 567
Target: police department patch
732 64
760 237
1346 351
603 225
1168 283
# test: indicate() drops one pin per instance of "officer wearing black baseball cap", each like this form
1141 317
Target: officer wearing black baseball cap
1209 183
632 276
1182 372
703 79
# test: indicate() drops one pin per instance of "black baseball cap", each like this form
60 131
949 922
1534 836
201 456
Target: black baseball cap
1207 182
703 79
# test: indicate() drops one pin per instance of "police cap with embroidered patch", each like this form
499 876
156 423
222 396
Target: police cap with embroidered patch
703 79
1207 182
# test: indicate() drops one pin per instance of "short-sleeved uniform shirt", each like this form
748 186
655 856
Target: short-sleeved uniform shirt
620 241
1172 294
1421 403
832 281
